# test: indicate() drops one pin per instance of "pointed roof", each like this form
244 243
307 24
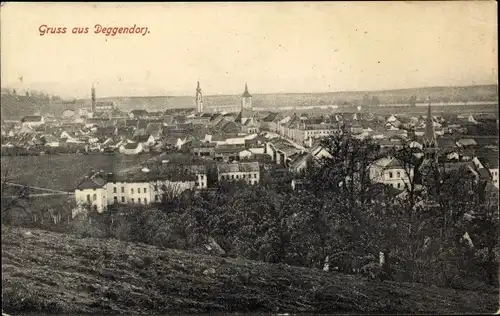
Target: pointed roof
246 94
430 136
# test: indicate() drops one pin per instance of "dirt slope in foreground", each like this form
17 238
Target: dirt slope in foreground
50 272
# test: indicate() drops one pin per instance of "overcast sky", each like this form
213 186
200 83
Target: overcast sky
275 47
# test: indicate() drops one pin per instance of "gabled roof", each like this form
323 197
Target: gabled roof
299 159
154 128
142 138
388 163
467 142
139 112
238 167
131 145
31 119
96 182
270 117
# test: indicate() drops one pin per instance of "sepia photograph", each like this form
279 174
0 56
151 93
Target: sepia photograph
249 158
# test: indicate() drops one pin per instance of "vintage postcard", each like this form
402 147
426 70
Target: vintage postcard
262 158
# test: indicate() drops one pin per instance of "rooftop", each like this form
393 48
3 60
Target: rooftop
238 167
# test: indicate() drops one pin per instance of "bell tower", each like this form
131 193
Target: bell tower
199 99
429 142
92 92
246 99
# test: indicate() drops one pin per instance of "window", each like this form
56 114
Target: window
237 176
138 190
94 197
222 177
232 176
398 174
139 200
399 185
156 188
156 197
145 190
132 200
132 191
114 190
123 189
123 199
390 174
255 175
145 201
115 199
88 197
244 176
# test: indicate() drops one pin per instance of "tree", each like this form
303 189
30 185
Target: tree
410 159
366 100
375 101
15 198
412 101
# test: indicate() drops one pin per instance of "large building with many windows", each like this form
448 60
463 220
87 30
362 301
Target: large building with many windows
145 186
243 171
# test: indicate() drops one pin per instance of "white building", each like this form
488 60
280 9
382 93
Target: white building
246 171
389 171
33 121
144 186
131 148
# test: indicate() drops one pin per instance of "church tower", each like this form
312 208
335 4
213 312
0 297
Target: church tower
199 99
429 142
246 99
92 92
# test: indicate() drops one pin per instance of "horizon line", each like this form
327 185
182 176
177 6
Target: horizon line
267 93
318 92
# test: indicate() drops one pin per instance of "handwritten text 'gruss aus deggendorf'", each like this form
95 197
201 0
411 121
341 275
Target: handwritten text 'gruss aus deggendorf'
97 29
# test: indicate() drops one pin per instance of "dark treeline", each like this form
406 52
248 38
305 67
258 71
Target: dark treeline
338 216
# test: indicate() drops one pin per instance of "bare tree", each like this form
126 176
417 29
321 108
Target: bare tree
14 197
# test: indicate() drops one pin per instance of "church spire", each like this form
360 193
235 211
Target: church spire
430 136
92 93
199 99
246 94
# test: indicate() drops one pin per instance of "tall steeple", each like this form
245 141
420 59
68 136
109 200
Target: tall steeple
429 142
246 99
199 99
430 136
92 92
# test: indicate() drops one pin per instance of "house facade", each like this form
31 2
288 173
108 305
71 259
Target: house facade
246 171
32 121
144 187
389 171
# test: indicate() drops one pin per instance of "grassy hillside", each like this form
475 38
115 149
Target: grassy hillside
49 272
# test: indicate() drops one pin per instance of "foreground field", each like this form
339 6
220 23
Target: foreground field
63 172
49 272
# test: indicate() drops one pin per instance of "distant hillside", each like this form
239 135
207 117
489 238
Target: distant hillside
46 272
20 105
437 94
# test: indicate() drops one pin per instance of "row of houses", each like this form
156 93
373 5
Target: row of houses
149 184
